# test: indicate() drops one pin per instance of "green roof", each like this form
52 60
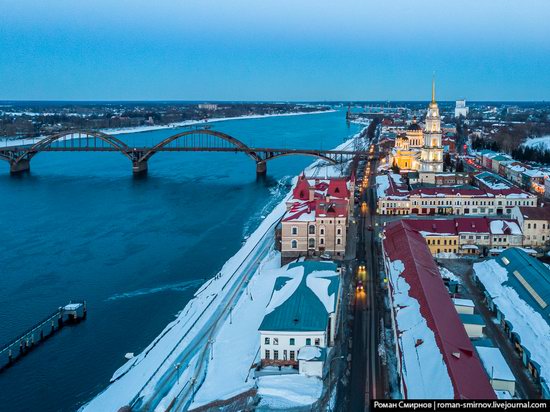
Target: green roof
303 310
469 319
529 277
501 157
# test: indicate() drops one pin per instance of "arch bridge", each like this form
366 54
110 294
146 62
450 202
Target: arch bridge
194 140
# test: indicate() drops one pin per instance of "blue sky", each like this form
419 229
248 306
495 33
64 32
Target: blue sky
274 50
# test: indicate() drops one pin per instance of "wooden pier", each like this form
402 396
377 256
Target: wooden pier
71 313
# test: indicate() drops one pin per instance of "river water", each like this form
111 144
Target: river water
80 226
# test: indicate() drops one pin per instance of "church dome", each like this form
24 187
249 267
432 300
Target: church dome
414 126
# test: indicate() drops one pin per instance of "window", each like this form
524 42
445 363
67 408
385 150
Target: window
338 241
276 355
311 229
294 230
285 354
292 341
338 231
317 341
294 244
322 231
292 355
322 241
308 341
311 243
275 341
267 354
266 341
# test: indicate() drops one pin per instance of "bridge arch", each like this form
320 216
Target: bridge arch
4 157
301 153
103 137
198 138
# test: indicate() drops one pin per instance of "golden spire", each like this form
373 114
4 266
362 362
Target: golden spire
433 88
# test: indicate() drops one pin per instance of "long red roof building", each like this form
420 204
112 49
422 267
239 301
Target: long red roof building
469 380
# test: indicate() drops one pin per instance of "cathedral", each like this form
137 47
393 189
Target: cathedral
418 149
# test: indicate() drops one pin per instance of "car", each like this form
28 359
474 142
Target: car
370 229
359 286
361 269
326 256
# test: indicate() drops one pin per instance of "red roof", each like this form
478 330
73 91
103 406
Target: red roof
535 213
432 225
301 191
331 208
338 188
426 286
473 224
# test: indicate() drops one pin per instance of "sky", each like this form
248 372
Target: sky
274 49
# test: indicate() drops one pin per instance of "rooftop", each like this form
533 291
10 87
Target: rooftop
419 271
535 213
303 298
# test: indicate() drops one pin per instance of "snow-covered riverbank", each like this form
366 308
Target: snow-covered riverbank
209 349
7 142
202 122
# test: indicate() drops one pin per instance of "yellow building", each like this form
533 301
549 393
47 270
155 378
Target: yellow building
405 157
442 243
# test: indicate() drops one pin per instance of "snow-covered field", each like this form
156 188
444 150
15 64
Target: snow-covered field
209 349
538 142
288 391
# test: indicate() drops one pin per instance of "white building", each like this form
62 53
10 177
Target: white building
473 324
208 106
461 109
464 306
500 375
535 224
301 314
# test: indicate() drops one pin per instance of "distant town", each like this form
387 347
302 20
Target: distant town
32 119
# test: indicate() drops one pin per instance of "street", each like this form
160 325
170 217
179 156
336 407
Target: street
366 376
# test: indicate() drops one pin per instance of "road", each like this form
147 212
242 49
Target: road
366 373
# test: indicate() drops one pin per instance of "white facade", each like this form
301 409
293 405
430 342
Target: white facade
431 155
473 330
465 306
461 109
536 231
284 346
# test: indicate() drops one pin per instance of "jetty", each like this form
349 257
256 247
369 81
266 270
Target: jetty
72 313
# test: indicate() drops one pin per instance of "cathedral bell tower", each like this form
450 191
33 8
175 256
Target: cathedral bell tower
431 157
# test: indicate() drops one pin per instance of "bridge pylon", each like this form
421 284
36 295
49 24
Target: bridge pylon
23 165
261 168
139 167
